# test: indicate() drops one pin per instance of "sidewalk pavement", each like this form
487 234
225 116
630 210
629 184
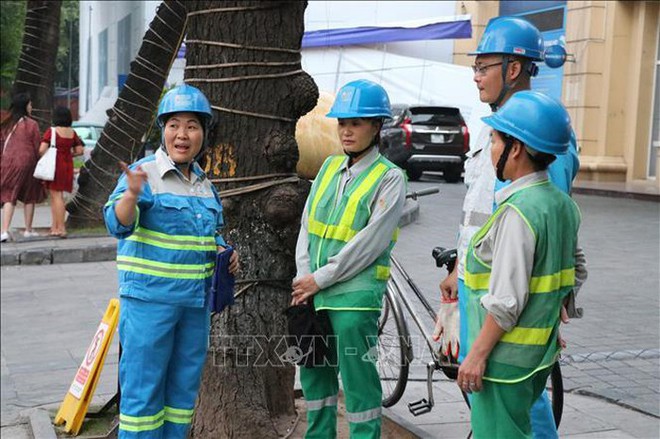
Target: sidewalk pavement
47 324
648 190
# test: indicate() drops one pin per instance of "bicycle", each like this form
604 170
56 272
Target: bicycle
395 352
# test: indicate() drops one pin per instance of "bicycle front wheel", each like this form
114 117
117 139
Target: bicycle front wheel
394 349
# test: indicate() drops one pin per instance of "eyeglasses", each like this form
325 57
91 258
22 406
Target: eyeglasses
481 70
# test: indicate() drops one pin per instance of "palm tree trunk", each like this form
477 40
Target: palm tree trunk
131 116
36 64
245 56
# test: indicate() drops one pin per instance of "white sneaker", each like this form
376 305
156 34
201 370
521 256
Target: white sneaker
31 234
4 237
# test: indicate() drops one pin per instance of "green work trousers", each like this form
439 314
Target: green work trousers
355 340
502 411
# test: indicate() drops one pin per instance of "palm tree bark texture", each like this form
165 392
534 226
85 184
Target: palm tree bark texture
35 73
131 116
245 56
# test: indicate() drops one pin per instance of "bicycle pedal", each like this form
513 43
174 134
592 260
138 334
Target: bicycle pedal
420 407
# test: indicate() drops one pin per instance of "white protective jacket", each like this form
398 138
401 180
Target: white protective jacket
478 203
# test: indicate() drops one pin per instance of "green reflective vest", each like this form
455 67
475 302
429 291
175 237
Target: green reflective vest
333 223
531 345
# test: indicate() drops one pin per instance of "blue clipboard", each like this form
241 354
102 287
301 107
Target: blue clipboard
222 286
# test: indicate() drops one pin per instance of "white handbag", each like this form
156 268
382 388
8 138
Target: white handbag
45 169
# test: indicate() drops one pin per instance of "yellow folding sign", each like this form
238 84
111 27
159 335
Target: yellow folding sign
76 401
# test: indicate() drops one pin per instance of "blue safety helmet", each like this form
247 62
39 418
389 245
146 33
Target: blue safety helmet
511 36
361 98
535 119
185 99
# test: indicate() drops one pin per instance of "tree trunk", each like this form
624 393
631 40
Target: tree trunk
131 116
36 66
246 390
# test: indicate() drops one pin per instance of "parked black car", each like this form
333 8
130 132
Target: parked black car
426 138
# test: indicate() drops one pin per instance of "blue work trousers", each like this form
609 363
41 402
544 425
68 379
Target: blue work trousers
164 350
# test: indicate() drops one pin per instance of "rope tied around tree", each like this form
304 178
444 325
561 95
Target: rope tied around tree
274 180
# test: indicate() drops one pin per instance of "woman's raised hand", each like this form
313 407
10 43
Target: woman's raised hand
135 178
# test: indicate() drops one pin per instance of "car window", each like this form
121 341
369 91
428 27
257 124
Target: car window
397 112
435 116
85 133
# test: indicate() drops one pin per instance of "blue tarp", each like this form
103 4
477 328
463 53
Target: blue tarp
376 34
443 29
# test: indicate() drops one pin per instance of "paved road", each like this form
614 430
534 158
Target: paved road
49 313
613 352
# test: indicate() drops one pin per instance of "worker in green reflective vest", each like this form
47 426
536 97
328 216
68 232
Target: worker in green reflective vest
519 269
348 229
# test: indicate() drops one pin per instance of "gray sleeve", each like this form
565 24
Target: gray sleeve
371 241
302 246
580 278
513 247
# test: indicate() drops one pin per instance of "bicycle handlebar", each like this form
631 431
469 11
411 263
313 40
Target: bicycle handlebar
421 193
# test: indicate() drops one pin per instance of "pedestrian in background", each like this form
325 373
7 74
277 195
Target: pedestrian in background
348 229
68 145
19 156
167 217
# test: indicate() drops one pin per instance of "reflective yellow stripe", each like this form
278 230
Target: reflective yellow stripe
163 269
340 232
382 272
552 282
477 281
395 235
173 242
344 231
178 416
528 336
141 423
367 184
316 227
111 201
326 178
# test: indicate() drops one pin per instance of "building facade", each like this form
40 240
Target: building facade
111 34
611 88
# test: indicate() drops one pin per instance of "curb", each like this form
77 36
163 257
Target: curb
41 425
83 251
49 255
616 194
408 426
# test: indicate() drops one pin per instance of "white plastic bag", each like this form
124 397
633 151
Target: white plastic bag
45 169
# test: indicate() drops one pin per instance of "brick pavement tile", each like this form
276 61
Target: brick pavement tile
641 390
653 384
588 366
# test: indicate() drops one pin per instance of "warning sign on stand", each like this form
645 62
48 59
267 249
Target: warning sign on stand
85 369
76 401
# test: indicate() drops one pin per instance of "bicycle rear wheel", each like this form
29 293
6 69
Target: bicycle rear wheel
394 349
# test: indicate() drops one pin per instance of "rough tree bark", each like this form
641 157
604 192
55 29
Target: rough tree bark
35 73
246 390
131 115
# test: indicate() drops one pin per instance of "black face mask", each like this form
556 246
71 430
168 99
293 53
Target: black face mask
508 145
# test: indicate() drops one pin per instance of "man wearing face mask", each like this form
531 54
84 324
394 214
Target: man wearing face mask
504 65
